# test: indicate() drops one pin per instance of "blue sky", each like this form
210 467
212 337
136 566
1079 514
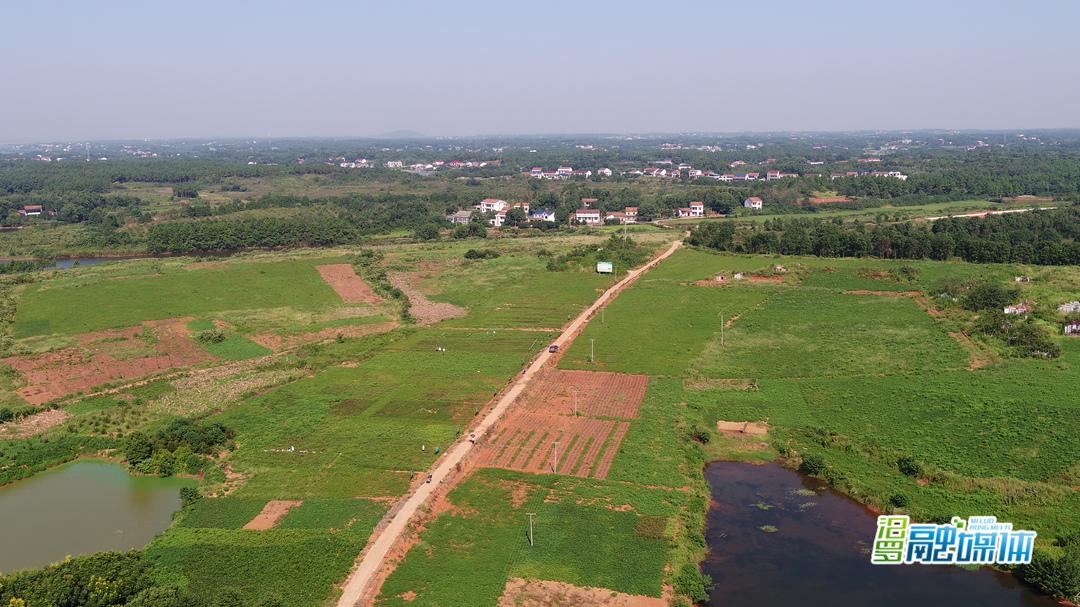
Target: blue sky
125 69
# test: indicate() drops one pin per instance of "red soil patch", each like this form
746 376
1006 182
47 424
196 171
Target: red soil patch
350 287
540 593
279 342
543 425
271 514
595 393
33 424
107 356
764 278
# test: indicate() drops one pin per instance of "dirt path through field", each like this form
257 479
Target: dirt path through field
425 311
271 514
351 288
362 580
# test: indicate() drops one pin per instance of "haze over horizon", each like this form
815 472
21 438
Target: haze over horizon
128 70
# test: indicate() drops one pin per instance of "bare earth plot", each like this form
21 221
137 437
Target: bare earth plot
538 593
271 514
544 434
427 312
350 287
107 356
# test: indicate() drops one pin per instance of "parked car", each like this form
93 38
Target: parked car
553 348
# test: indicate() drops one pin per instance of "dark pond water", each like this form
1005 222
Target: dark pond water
819 554
79 508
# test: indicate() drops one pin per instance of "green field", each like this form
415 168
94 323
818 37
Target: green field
579 538
89 301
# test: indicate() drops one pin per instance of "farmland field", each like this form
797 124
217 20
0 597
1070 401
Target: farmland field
847 359
165 289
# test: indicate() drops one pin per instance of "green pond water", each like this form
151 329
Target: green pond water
82 507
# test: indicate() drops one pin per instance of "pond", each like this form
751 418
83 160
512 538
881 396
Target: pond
819 551
82 507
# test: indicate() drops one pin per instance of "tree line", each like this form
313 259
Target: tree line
1040 237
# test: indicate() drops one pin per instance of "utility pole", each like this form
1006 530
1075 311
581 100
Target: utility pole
592 350
531 515
555 454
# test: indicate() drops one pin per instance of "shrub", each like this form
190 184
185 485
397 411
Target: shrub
428 232
188 496
701 435
899 500
988 295
812 464
212 336
693 583
1056 576
909 466
481 254
6 414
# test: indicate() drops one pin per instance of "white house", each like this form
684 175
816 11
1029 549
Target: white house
537 172
565 172
498 219
1021 308
753 203
1069 308
682 212
542 215
697 209
394 164
604 172
591 217
492 205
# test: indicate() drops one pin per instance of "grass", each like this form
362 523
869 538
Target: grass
232 347
580 538
59 306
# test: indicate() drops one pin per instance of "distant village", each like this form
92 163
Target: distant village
664 169
495 212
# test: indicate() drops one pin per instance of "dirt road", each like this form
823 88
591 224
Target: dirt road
371 559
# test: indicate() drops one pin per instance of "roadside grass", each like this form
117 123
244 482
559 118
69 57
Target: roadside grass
657 325
166 291
586 532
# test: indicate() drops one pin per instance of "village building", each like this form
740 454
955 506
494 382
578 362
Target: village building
587 203
591 217
1069 308
492 205
631 214
604 172
542 215
1023 307
754 203
461 217
1073 328
31 210
564 172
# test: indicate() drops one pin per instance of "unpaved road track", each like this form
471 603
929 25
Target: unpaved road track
372 558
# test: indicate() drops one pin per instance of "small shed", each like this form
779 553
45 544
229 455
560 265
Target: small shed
604 267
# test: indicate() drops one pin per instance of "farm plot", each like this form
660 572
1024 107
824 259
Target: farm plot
557 426
537 442
107 356
92 299
350 287
592 393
